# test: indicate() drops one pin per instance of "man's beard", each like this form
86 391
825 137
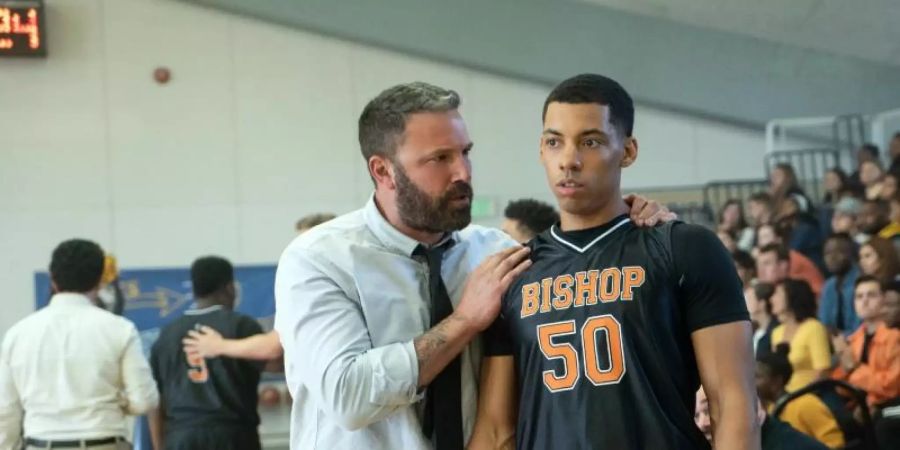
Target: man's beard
420 211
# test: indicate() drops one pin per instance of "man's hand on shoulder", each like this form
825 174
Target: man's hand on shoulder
480 303
648 213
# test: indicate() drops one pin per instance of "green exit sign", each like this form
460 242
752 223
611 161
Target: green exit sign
483 207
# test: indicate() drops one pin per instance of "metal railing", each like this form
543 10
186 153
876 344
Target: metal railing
849 133
693 212
844 133
810 166
716 193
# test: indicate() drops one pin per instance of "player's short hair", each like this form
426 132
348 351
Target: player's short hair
383 120
209 274
76 265
312 220
780 251
535 216
777 362
868 279
800 299
593 88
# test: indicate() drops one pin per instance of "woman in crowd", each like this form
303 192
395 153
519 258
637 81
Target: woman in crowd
871 175
783 184
878 258
794 305
834 181
834 186
889 186
732 222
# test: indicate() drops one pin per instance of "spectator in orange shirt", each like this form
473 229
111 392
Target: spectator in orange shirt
887 419
775 263
871 358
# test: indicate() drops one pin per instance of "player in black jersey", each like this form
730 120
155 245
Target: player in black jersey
603 341
206 403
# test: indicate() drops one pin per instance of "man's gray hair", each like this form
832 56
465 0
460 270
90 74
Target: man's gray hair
383 120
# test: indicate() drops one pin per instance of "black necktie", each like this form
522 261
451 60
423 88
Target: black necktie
443 401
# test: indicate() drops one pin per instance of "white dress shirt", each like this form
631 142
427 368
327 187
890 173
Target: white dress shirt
72 371
350 298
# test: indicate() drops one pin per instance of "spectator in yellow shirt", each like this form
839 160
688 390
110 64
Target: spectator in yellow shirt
807 413
892 231
794 304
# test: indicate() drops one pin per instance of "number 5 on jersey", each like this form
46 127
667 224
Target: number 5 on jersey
598 376
197 371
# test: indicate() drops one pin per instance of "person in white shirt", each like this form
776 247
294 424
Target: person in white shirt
71 372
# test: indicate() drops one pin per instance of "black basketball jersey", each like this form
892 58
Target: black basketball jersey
600 327
205 392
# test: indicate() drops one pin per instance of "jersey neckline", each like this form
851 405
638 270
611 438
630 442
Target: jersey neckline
194 311
572 239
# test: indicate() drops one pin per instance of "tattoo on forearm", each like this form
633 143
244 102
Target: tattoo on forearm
429 344
433 342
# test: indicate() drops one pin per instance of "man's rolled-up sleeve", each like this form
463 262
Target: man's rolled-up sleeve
138 386
11 412
325 334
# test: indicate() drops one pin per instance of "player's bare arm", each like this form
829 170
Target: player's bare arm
156 421
725 362
495 424
478 308
210 344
